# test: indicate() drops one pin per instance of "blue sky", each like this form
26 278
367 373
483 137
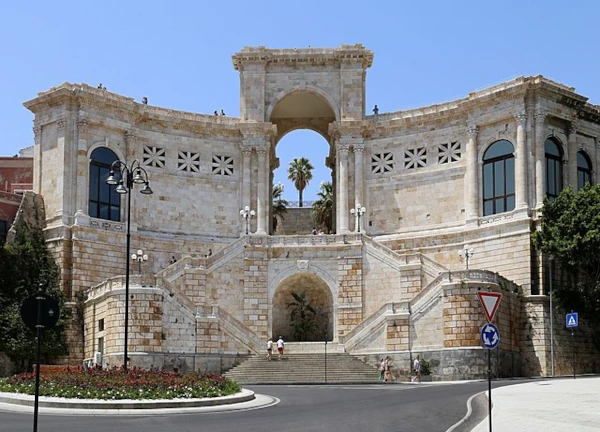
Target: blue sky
178 53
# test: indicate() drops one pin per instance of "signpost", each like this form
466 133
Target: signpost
39 312
490 336
572 321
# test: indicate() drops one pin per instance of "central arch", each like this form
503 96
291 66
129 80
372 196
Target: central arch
302 107
317 295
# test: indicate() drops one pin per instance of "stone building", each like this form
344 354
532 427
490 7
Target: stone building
470 173
16 176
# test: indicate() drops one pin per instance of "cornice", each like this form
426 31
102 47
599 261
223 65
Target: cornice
356 54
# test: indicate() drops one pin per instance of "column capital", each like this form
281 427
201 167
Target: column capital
573 126
540 116
61 123
472 130
342 148
521 118
83 126
130 136
37 130
246 150
261 150
358 148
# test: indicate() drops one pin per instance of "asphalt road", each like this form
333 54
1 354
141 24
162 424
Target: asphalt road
348 408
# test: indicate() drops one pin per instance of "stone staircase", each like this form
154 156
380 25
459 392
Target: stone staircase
303 368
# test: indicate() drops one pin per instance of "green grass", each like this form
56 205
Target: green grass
115 384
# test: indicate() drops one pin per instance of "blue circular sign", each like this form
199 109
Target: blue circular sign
490 336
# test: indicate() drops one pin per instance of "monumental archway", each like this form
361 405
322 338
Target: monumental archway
317 295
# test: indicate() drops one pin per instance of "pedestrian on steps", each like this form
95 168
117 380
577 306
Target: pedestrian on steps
381 369
269 349
280 346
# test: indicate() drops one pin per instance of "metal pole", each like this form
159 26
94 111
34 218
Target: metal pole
40 298
129 181
551 321
358 221
573 349
325 360
490 388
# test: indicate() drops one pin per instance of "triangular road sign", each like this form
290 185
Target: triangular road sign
490 302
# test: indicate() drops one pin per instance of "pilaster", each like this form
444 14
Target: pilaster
471 183
540 159
262 201
358 149
342 149
83 129
521 180
572 154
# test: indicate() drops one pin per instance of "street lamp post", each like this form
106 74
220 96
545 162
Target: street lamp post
127 178
140 257
358 212
465 254
550 261
247 214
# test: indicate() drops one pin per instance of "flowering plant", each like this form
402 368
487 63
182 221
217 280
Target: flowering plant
116 383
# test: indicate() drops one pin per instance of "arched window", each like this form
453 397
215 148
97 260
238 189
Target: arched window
554 162
584 170
104 202
498 178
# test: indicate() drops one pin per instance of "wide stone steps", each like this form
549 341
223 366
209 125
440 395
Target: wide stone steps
303 368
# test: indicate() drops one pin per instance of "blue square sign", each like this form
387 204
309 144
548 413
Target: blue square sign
572 319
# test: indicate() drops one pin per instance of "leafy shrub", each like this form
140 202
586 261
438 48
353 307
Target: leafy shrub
115 384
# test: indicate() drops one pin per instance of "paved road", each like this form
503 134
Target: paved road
394 407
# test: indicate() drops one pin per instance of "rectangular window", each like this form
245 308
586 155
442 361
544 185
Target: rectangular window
488 181
510 176
499 178
101 325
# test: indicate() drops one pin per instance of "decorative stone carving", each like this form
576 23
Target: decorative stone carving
83 126
61 123
302 265
521 118
472 131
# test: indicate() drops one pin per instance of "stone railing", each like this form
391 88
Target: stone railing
483 276
354 336
306 240
235 327
238 244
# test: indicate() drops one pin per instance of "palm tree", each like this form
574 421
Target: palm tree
300 172
303 317
323 207
279 204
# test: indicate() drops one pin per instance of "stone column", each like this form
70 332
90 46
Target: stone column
246 194
62 180
522 200
262 201
37 159
572 155
82 169
135 208
540 160
471 183
358 150
342 192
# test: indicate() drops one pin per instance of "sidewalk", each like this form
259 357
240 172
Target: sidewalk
557 405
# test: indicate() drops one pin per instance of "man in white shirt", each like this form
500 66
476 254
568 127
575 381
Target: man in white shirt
269 348
417 369
280 346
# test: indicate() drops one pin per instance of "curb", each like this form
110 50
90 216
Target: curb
125 404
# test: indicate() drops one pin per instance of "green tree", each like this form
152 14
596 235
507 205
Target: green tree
323 207
303 317
27 264
279 203
300 172
570 232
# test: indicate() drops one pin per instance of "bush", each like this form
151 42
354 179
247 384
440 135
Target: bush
425 367
115 384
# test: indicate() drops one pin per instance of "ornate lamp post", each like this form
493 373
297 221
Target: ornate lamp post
140 257
358 212
247 214
127 178
465 254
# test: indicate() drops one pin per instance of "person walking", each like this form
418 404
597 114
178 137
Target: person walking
417 369
280 346
381 369
270 349
387 374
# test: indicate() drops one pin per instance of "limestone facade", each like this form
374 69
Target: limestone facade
396 288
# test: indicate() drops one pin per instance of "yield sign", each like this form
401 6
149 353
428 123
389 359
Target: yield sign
490 302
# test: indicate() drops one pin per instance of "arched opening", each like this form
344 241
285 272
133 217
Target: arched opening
316 294
302 117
